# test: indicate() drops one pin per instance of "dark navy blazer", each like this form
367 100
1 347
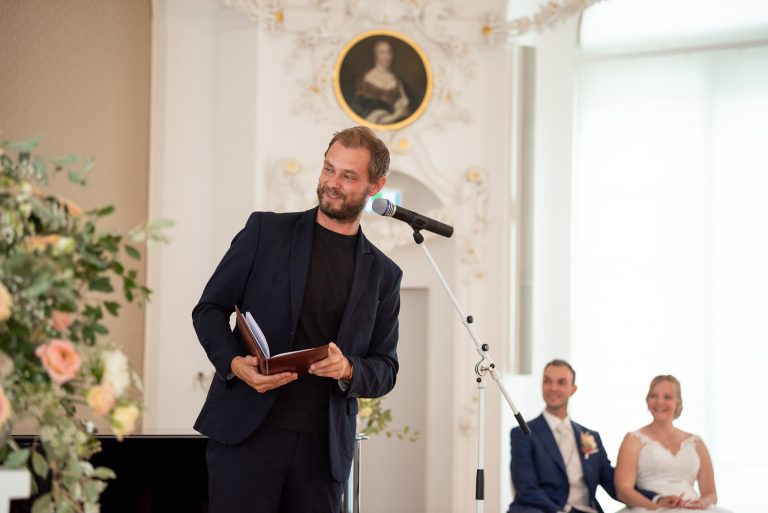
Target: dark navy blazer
264 272
538 470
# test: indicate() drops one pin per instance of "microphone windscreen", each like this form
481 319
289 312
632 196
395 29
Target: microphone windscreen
380 206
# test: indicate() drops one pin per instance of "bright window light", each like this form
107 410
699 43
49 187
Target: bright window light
670 236
640 23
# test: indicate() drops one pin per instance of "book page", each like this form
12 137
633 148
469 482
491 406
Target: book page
297 351
257 334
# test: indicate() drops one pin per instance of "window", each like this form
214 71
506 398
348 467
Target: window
670 228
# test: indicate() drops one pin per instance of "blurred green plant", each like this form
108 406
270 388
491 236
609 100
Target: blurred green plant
373 419
60 277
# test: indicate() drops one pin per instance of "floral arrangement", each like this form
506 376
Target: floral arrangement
373 418
56 368
588 444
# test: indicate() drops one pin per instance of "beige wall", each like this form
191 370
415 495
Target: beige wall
76 73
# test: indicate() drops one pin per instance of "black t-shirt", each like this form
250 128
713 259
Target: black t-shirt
302 405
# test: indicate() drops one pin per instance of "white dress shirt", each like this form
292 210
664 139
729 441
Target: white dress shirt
578 493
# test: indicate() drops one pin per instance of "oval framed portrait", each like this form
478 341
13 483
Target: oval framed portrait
382 80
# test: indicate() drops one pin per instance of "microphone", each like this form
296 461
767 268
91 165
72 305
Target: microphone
418 222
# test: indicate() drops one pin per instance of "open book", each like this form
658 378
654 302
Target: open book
256 343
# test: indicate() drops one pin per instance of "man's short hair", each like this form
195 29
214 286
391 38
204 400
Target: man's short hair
363 137
562 363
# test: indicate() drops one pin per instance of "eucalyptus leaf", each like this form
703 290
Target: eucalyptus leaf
88 164
65 507
77 178
159 237
39 464
93 312
138 234
104 211
160 224
94 261
17 459
132 252
65 160
41 170
112 307
101 284
22 146
104 473
74 468
100 329
92 489
43 504
39 287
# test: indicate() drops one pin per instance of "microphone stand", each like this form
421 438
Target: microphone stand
482 368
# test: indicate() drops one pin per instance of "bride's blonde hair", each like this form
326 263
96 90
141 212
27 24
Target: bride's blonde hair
675 385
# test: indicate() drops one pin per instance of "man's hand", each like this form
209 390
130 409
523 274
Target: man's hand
336 366
246 368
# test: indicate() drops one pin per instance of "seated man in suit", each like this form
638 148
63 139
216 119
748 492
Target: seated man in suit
558 466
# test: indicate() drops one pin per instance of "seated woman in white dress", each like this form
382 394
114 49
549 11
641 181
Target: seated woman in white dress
666 459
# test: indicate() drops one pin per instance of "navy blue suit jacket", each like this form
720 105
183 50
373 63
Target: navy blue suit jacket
264 272
538 469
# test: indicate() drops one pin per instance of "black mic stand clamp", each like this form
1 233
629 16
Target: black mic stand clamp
482 368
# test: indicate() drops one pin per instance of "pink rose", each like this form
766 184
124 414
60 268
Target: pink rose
5 408
71 207
60 359
101 399
61 320
42 242
6 303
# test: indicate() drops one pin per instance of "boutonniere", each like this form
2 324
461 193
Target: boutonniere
588 444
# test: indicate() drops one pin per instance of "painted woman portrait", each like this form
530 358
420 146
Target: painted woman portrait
383 79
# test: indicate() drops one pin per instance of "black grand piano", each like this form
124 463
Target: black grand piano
165 473
156 474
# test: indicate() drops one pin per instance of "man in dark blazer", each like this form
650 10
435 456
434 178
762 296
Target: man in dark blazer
558 467
284 443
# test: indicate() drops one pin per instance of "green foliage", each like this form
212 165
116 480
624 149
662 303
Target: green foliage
373 419
59 276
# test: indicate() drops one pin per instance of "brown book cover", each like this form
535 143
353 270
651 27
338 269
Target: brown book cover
293 361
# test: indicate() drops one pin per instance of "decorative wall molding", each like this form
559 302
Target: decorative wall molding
451 36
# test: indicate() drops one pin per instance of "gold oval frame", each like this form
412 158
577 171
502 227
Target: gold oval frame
387 35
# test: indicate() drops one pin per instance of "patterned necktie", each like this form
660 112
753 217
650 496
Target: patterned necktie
563 441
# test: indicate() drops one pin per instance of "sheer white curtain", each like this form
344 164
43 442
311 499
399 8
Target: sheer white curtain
670 250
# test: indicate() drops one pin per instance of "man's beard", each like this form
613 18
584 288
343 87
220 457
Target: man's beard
348 211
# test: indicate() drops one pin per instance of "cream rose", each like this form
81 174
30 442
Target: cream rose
60 359
101 399
124 420
6 365
116 371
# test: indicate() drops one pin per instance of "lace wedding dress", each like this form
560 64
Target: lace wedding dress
668 474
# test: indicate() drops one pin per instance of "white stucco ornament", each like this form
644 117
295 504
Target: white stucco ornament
449 31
